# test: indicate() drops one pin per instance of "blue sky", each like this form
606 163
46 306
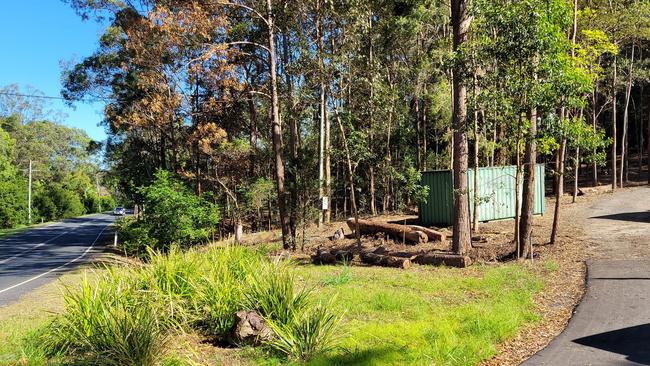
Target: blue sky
35 36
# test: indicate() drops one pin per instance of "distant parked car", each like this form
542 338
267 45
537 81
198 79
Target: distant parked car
119 211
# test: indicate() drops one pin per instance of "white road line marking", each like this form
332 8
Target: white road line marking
7 260
59 267
33 248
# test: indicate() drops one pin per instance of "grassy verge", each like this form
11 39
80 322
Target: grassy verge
20 321
7 232
423 316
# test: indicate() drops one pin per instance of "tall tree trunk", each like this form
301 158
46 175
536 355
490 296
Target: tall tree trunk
350 177
323 169
462 238
576 175
528 196
594 106
476 162
328 168
252 132
276 131
292 175
648 140
388 160
614 147
624 144
559 190
371 170
518 185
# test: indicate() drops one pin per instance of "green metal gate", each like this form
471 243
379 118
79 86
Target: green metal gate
496 194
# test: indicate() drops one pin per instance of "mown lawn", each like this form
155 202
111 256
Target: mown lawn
422 316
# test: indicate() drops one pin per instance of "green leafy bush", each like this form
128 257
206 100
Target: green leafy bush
133 237
173 216
55 201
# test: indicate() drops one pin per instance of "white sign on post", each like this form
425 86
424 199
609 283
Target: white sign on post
326 203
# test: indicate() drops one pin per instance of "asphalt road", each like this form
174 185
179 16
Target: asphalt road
611 326
34 257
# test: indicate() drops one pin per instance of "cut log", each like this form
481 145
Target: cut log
332 256
385 260
343 256
451 260
323 257
433 235
396 231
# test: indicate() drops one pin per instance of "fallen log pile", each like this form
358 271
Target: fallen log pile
405 233
384 258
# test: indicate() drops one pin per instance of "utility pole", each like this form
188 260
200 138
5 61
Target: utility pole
29 195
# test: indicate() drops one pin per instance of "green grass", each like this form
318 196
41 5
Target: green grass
425 316
7 232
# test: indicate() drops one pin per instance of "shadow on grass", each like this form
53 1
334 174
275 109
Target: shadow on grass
371 356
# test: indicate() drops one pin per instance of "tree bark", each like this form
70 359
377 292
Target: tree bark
628 94
276 131
528 196
614 147
350 176
594 125
559 190
576 176
476 162
396 231
462 240
293 144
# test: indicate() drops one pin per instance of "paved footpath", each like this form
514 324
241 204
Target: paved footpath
611 325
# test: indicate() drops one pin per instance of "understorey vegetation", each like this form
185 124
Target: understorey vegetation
173 216
128 315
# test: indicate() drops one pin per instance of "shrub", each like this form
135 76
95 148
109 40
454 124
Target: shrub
134 238
54 201
174 215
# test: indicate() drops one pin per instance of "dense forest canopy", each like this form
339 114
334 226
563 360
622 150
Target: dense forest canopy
351 100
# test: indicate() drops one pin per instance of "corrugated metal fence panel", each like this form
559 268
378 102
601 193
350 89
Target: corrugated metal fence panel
496 194
439 207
